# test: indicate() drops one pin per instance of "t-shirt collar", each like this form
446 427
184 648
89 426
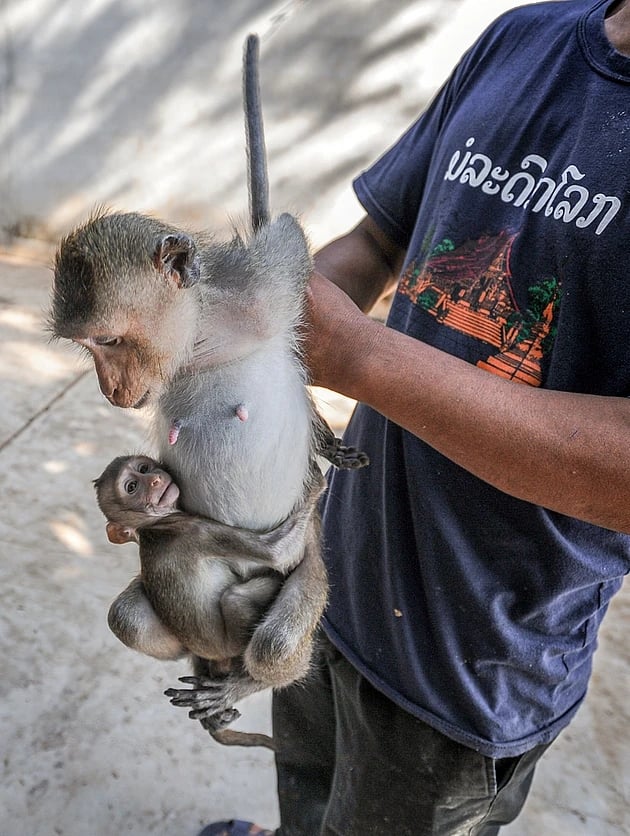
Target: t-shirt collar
599 52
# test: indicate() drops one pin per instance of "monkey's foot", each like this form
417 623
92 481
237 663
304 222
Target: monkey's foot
345 458
215 722
210 696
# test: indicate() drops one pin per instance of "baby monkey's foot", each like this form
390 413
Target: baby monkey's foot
206 698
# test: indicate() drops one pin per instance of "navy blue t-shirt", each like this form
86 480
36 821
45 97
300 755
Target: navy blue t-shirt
475 611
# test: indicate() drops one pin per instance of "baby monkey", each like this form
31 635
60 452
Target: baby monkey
203 586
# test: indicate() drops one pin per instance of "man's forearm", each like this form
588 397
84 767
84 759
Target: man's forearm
567 452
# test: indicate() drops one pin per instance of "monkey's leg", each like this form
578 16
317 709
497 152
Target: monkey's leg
342 457
280 648
217 685
132 619
243 604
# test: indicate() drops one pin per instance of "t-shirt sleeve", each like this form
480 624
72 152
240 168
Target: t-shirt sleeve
391 190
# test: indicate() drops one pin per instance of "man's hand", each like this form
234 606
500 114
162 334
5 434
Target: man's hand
333 324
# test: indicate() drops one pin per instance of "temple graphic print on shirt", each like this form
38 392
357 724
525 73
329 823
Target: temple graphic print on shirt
468 288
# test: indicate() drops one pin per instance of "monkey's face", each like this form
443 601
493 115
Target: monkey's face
132 366
124 289
141 485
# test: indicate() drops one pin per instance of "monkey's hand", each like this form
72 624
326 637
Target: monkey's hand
212 696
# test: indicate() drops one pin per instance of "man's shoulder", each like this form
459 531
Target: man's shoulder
524 20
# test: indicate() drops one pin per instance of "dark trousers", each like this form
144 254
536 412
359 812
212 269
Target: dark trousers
351 763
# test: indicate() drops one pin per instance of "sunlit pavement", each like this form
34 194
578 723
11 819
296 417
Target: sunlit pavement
89 744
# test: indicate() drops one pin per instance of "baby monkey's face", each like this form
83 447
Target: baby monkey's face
142 485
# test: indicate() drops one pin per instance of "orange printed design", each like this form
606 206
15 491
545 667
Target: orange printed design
469 289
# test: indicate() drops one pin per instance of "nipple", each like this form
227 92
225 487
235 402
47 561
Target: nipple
241 412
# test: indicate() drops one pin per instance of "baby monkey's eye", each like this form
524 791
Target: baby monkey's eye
131 486
143 468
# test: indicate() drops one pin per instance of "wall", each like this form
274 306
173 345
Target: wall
137 103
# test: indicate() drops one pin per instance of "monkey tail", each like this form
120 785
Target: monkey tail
257 178
230 737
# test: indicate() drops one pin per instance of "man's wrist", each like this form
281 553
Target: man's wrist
358 359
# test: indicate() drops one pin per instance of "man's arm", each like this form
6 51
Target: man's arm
567 452
365 263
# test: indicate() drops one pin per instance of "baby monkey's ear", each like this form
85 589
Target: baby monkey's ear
118 533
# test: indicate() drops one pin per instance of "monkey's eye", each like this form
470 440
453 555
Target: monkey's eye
143 468
131 486
108 341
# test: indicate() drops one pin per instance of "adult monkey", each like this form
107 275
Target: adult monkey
206 334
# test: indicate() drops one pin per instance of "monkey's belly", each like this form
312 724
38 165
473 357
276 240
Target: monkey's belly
242 450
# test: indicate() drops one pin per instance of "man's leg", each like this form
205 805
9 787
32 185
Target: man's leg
514 778
350 762
304 734
394 773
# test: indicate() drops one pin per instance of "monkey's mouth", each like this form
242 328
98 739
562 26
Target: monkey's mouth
171 493
143 400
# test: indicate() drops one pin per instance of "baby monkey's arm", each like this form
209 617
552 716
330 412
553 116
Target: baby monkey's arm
280 549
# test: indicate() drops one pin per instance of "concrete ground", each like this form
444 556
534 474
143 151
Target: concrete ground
89 744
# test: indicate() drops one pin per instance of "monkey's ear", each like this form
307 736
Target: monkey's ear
118 533
176 256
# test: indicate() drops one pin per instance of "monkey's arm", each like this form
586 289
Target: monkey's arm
280 649
564 451
132 619
280 549
289 542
